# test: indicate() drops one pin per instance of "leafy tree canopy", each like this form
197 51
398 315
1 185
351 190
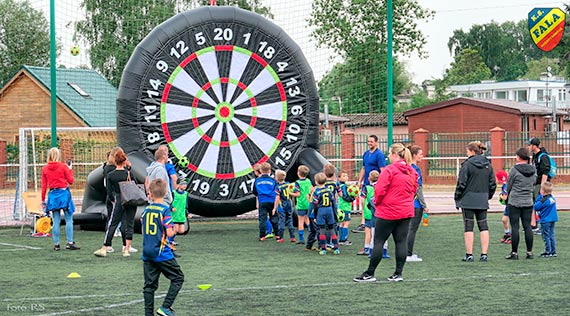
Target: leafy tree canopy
467 67
24 37
537 68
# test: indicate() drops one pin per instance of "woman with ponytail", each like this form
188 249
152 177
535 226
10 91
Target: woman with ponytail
475 187
394 204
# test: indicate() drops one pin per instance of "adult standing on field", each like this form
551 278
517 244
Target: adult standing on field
57 177
394 203
420 205
372 159
520 201
542 165
157 170
475 187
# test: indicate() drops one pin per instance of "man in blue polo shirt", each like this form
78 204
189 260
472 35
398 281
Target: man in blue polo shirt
373 159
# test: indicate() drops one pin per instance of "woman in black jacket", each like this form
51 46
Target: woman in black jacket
475 187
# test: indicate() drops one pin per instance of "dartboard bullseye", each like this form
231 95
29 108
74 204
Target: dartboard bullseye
223 93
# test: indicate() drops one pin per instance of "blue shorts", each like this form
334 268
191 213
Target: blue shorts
506 211
347 216
302 212
325 216
368 223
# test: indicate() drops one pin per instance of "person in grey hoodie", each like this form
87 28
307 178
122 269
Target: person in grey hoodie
475 187
519 201
156 170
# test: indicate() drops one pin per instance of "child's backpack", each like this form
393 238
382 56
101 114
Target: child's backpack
552 172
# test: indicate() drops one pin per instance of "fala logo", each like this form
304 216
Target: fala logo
546 27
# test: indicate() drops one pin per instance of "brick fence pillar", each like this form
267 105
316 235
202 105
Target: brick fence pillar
347 152
66 148
3 160
497 148
421 139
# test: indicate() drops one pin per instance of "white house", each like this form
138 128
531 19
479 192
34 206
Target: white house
526 91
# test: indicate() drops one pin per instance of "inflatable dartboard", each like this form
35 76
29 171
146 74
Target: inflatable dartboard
224 89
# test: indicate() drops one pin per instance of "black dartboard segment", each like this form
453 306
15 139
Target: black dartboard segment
224 89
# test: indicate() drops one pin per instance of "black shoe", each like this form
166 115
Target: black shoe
545 255
56 247
484 257
512 256
468 258
359 229
396 278
71 246
529 255
364 277
300 242
553 254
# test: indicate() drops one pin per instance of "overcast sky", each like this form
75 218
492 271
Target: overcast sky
291 15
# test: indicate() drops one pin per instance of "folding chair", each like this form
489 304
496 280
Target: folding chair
33 201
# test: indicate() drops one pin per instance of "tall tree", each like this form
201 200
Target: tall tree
24 37
505 47
537 68
356 30
113 28
467 67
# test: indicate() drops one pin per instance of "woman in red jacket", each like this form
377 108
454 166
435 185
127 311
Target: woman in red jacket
394 203
56 176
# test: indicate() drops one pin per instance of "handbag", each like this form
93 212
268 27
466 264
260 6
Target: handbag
132 194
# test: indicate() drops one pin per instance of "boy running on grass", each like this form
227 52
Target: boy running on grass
157 256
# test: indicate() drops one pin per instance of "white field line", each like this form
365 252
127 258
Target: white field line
14 249
84 310
287 286
20 246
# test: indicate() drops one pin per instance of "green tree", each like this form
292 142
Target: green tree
356 30
505 47
467 67
537 68
24 37
113 28
562 51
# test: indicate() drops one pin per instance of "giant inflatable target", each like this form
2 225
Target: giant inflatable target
224 89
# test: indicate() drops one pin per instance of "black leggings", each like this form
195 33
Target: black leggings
414 224
525 215
126 216
383 229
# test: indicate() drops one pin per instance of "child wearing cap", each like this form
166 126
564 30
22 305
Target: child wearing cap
502 177
179 209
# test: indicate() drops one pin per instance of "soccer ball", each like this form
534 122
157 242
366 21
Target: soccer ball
503 202
74 51
291 187
353 190
340 215
183 162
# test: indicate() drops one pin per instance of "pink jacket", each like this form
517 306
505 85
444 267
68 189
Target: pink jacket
395 190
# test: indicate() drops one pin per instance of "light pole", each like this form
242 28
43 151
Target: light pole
339 99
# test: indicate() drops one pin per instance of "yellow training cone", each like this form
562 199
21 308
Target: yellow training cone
73 275
204 287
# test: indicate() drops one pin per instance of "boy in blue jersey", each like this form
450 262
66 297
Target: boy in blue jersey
264 189
322 205
545 207
157 256
285 209
332 184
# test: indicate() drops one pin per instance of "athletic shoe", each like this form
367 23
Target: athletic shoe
280 240
554 254
484 258
506 239
110 250
163 311
468 258
269 236
396 278
364 277
414 258
359 229
313 248
545 255
101 252
175 243
126 253
56 247
117 233
292 240
345 242
261 238
300 242
512 256
529 255
71 246
336 252
131 250
385 254
363 252
537 231
322 252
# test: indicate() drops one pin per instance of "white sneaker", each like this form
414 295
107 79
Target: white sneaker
132 249
117 233
110 250
413 258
